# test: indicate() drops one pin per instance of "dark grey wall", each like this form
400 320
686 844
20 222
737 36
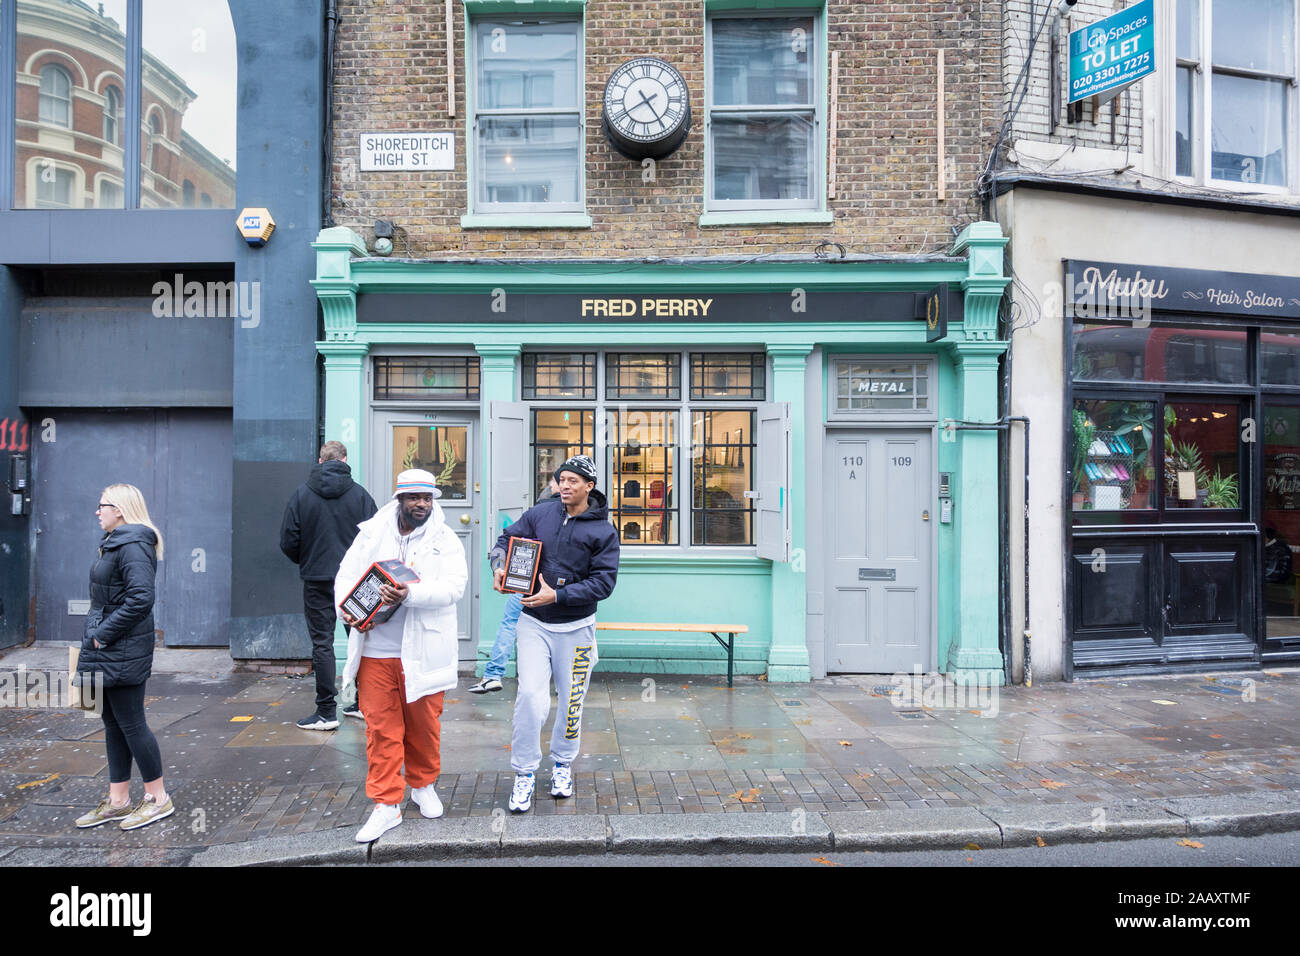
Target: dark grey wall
13 531
280 130
157 361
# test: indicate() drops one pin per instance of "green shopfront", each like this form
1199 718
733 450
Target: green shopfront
770 435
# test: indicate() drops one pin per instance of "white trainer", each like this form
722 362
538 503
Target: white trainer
426 798
521 797
382 819
561 781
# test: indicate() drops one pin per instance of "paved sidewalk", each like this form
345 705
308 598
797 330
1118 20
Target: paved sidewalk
824 755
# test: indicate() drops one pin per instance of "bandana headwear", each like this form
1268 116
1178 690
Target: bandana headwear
580 465
417 481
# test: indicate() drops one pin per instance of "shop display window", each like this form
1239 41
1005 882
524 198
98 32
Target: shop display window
722 375
438 449
1114 461
1202 442
642 469
722 466
1159 353
559 434
643 376
559 375
425 378
866 386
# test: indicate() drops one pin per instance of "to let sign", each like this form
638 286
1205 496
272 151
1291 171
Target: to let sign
1112 53
407 151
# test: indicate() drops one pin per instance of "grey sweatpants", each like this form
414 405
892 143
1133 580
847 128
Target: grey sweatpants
542 656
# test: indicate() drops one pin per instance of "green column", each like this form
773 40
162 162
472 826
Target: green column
497 364
973 656
787 657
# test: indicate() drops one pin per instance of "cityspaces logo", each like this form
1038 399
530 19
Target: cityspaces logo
77 909
177 298
41 689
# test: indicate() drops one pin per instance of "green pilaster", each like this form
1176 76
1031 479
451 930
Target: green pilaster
973 657
498 362
787 657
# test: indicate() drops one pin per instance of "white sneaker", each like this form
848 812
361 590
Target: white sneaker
521 798
426 798
382 819
561 781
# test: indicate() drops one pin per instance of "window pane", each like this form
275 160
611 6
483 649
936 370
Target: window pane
559 434
1184 121
1122 353
728 375
559 375
439 449
762 62
1189 29
528 160
1279 359
1256 34
1113 462
643 376
1248 130
188 102
762 157
1202 453
641 469
722 470
417 378
526 65
68 151
881 386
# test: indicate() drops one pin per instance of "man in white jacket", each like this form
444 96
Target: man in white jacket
402 667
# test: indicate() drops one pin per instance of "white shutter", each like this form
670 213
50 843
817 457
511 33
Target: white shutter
509 482
772 478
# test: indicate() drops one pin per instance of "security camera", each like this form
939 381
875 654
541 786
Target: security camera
1063 6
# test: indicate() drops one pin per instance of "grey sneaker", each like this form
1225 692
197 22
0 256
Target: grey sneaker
485 685
146 812
103 813
352 710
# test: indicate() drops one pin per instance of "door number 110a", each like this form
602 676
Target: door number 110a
899 461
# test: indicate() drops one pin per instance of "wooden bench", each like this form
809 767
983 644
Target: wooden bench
729 645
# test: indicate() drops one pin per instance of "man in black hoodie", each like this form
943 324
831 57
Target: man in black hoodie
557 629
318 528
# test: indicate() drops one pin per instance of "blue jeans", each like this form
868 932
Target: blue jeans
505 642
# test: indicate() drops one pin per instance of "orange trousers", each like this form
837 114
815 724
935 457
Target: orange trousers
396 731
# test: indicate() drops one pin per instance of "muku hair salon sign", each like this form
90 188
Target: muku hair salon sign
1103 289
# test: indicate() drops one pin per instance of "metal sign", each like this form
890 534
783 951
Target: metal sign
407 151
1110 54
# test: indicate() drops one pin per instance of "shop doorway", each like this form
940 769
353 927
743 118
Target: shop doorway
444 443
1280 572
879 514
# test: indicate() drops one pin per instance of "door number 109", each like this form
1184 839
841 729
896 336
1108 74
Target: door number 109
902 461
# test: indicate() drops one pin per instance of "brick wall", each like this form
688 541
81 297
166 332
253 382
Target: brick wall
391 74
1021 20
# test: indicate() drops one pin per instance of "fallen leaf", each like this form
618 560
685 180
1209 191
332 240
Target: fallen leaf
1155 738
846 743
1217 736
825 862
971 846
685 717
686 687
1195 845
240 720
1040 841
37 783
1053 784
970 859
1272 674
743 797
863 776
275 703
744 736
452 700
1167 703
505 746
975 712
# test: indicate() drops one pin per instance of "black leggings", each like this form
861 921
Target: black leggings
127 735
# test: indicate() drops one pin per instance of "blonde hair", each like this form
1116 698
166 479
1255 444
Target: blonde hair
128 500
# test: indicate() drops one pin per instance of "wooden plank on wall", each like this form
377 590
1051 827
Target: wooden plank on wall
833 125
451 63
942 148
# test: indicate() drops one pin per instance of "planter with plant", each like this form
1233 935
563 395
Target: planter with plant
1221 491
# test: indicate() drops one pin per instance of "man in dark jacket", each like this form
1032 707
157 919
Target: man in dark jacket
557 629
319 526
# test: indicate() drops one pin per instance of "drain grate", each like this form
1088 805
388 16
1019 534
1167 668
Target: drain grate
888 690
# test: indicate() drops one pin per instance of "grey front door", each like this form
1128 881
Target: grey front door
444 443
180 461
879 590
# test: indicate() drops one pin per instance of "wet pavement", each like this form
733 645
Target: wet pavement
239 770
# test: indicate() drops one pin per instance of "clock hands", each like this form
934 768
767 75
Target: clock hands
646 101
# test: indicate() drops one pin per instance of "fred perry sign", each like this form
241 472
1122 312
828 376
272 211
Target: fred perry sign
407 150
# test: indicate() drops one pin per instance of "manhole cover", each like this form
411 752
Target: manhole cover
887 689
793 703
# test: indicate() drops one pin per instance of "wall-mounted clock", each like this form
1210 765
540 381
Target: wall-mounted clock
647 109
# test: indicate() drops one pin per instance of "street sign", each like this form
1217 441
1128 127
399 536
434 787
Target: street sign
407 151
1112 53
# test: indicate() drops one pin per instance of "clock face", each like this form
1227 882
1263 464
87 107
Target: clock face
647 108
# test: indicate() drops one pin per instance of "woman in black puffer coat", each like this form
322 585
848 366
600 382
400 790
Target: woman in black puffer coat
117 650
